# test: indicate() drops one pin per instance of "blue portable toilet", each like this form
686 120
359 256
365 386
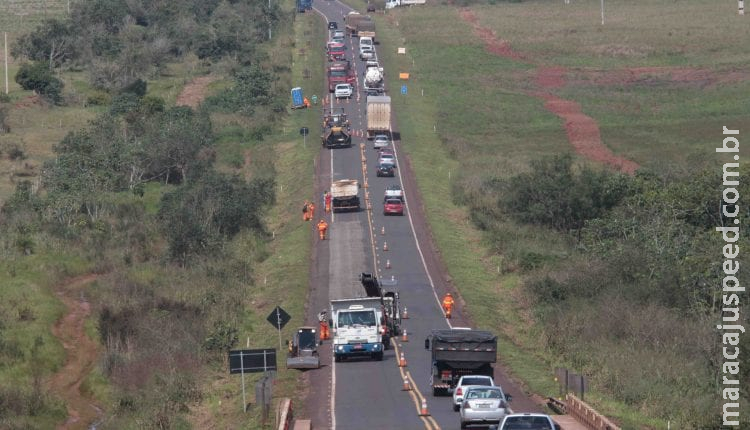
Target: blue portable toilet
297 98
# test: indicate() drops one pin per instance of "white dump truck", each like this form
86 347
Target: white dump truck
357 328
345 195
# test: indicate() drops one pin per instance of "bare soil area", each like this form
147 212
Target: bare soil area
194 92
81 353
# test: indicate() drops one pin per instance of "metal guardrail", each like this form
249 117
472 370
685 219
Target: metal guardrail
286 415
557 405
586 415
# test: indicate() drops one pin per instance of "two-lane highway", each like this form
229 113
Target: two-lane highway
367 394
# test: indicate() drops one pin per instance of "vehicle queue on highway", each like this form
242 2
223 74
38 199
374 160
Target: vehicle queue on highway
462 358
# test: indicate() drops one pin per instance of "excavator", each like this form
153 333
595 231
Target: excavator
303 350
336 129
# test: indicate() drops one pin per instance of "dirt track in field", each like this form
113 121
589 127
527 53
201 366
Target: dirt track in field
194 92
81 353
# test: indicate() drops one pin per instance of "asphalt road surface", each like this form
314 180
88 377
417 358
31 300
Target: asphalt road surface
367 394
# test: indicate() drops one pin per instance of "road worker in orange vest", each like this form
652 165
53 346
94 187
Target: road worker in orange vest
323 319
322 228
310 211
448 304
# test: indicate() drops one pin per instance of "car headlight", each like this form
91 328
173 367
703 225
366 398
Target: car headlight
341 347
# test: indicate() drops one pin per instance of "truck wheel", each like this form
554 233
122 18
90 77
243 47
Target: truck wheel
456 408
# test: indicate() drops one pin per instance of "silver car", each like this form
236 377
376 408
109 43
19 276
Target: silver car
483 405
381 141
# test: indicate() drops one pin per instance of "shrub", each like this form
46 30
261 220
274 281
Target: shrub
99 98
137 87
39 78
124 103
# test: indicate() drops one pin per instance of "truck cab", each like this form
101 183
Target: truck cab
357 326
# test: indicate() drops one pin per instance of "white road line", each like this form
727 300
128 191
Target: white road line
414 234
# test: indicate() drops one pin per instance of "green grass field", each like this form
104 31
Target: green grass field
468 119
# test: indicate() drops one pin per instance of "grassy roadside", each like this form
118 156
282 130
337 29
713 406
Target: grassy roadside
282 278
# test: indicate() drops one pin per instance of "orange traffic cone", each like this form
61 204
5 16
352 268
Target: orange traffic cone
404 337
405 314
387 264
385 246
423 412
402 361
406 385
382 230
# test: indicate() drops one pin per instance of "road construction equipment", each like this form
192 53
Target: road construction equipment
303 350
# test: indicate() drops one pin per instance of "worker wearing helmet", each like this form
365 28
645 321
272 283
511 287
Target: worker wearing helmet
306 211
448 304
322 228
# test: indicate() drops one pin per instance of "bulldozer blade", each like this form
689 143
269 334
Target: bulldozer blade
303 363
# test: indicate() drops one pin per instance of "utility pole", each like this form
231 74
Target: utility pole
6 62
602 12
269 20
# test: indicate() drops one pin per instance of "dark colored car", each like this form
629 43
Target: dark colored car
333 25
393 207
385 169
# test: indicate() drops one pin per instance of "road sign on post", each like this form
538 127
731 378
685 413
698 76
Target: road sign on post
278 318
304 131
403 89
250 361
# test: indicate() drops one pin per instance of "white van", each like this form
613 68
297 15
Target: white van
366 41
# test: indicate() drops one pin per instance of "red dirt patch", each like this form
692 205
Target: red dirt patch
583 134
194 92
582 130
550 77
33 100
80 356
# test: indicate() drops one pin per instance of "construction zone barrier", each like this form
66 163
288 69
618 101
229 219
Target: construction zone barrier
404 337
402 361
406 385
382 231
385 246
405 314
423 410
387 264
285 414
586 415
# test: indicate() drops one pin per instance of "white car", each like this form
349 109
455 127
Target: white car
466 380
381 141
343 91
366 53
527 421
338 33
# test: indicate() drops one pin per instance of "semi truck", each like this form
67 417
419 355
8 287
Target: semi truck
345 195
357 328
457 352
378 115
374 84
359 25
390 4
340 72
385 290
